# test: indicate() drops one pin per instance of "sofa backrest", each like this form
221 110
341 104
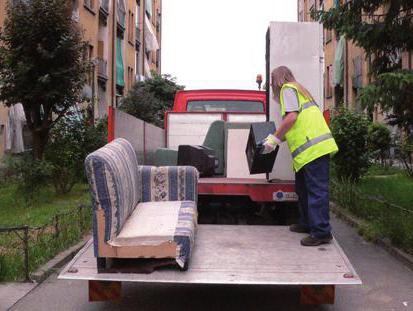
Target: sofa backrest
114 183
169 183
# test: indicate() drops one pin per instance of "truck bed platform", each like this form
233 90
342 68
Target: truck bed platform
225 254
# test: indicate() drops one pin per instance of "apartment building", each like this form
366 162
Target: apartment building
346 65
124 44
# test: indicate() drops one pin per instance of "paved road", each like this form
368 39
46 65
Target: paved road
388 285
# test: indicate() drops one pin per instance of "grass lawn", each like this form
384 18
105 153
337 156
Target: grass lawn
53 235
395 187
381 220
14 212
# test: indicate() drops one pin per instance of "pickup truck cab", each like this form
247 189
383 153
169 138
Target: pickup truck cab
220 100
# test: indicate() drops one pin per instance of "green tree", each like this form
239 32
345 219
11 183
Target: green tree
41 63
149 99
384 29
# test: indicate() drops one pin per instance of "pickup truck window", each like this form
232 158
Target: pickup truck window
225 105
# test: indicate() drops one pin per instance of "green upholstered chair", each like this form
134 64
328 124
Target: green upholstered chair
214 139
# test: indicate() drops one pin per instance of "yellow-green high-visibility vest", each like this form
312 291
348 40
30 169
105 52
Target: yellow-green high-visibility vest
310 137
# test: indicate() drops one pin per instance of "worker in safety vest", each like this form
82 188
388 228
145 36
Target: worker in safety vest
311 144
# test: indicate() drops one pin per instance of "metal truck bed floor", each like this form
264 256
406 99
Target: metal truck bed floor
270 255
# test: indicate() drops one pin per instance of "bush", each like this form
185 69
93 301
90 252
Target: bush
71 140
29 174
350 130
378 140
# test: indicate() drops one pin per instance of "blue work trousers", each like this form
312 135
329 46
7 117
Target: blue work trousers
312 187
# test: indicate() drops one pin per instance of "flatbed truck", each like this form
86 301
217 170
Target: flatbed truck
245 254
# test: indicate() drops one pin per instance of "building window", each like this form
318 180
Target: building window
130 77
148 8
87 56
301 16
90 5
121 14
328 35
137 67
119 63
158 58
358 76
137 27
137 15
75 11
329 81
312 8
131 27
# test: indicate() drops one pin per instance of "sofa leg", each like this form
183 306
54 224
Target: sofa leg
101 264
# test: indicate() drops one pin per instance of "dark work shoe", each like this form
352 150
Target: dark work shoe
299 228
313 241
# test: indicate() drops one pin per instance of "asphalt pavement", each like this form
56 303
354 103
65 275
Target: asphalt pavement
387 285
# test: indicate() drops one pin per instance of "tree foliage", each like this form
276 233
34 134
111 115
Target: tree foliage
384 29
149 99
41 63
393 92
350 130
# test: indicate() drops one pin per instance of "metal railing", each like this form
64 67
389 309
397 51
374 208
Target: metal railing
62 230
389 220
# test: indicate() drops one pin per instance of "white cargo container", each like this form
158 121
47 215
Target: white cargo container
299 46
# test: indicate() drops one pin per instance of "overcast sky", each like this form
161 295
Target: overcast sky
219 43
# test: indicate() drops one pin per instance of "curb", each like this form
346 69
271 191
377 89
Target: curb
58 261
353 221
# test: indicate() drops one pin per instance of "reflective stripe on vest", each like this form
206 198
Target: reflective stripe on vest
308 105
311 143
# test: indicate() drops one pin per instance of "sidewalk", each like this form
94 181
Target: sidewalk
10 293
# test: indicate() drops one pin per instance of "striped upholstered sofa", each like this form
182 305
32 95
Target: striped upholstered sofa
140 211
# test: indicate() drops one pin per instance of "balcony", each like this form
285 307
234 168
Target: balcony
102 70
137 38
104 10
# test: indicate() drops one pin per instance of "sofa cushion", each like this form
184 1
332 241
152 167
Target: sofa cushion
157 223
